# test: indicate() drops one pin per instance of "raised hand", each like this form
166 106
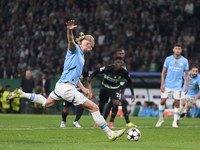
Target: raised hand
70 25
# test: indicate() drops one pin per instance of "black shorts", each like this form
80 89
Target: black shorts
106 94
67 104
122 89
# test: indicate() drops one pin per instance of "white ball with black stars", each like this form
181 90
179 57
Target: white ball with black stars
133 134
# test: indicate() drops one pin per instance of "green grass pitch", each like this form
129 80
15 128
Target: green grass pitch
43 132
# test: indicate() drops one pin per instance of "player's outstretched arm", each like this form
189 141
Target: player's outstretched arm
70 36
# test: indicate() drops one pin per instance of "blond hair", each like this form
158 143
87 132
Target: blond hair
84 37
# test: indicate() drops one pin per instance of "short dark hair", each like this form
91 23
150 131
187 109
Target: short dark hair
120 49
118 57
194 66
7 86
178 45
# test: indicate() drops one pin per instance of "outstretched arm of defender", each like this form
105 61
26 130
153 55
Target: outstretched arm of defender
70 36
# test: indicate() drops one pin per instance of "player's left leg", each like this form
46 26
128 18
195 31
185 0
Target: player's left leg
182 104
176 112
188 108
64 116
35 98
66 106
124 109
177 97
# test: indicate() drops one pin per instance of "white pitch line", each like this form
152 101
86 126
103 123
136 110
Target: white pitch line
66 128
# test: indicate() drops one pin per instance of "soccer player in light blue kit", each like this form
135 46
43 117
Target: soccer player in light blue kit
66 86
171 81
193 91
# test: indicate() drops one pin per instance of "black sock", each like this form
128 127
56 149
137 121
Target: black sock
79 113
107 111
124 109
64 116
114 113
101 106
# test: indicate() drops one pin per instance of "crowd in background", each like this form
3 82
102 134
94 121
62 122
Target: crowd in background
33 33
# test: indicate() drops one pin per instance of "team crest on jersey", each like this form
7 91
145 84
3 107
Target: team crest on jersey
194 81
181 64
190 80
176 62
115 77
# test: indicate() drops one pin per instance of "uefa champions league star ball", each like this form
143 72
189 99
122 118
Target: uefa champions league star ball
133 134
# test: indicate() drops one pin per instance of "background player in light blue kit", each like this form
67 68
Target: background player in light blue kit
193 91
171 81
66 86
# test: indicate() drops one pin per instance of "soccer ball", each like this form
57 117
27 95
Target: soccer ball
133 134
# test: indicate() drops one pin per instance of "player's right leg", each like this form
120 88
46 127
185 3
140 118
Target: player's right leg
115 104
98 118
107 110
162 104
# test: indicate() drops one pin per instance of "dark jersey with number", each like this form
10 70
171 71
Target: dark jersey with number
112 78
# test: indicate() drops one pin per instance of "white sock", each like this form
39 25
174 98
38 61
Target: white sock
36 98
176 114
98 118
161 110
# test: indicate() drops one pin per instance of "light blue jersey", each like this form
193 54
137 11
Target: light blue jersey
175 69
73 66
194 84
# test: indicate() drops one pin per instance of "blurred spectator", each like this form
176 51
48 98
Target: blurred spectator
6 103
1 94
195 112
189 8
28 86
44 83
146 110
153 66
34 29
154 111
